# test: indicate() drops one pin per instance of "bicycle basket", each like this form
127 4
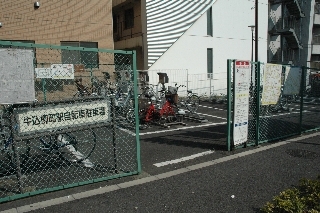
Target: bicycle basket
172 90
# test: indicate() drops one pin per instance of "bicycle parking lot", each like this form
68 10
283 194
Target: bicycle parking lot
78 132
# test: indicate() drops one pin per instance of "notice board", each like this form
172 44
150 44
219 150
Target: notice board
16 76
241 81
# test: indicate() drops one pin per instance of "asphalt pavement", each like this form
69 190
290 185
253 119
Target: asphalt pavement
186 170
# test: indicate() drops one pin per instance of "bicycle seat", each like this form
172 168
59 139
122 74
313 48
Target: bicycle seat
189 91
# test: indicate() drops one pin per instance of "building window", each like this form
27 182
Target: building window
115 23
209 63
128 18
209 22
87 58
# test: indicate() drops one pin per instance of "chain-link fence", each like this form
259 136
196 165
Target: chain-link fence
311 100
68 117
284 104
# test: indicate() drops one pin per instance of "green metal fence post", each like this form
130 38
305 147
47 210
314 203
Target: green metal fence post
135 82
257 71
91 76
229 103
302 88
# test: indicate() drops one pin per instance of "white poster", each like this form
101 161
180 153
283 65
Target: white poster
62 71
43 72
16 76
241 81
292 81
61 116
271 84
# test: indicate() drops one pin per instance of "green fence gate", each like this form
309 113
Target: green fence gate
68 117
278 101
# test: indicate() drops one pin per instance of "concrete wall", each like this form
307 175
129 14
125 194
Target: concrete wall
231 40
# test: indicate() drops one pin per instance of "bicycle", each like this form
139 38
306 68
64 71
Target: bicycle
82 90
124 101
191 102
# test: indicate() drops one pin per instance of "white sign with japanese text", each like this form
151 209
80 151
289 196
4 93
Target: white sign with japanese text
241 82
61 116
43 72
62 71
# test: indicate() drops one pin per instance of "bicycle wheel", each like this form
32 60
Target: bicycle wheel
192 103
76 147
130 117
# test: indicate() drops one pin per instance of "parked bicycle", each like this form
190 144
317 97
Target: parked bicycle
82 90
124 100
191 102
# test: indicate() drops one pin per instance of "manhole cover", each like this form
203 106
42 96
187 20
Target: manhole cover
300 153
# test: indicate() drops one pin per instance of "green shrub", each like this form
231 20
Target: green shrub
305 198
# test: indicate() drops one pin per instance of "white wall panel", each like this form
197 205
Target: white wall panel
231 40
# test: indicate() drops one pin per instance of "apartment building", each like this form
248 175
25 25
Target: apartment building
198 36
314 56
289 32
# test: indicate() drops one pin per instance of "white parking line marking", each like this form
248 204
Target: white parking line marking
213 108
183 159
212 116
183 128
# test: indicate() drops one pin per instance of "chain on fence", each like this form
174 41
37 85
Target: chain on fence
68 117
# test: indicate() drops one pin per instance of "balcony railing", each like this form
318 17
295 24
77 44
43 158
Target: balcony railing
284 55
288 22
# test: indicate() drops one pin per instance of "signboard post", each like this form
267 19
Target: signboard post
241 83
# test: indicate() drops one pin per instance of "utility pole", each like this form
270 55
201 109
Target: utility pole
256 31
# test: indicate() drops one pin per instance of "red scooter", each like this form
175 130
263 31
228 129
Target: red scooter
165 115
